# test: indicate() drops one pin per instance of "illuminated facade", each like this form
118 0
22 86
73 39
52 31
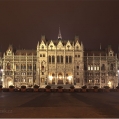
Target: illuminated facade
59 62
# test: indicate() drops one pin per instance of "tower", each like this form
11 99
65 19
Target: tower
59 34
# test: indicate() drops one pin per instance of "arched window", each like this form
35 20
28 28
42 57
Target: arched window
61 59
17 66
30 67
66 59
53 59
8 66
21 66
58 59
88 67
103 67
49 59
34 66
24 66
111 67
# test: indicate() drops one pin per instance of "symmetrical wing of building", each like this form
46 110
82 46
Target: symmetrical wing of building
59 62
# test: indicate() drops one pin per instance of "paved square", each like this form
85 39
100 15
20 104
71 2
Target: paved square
59 105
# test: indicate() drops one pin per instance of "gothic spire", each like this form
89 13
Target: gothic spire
59 34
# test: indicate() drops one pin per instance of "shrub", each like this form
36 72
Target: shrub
36 86
11 86
95 87
84 87
48 87
60 87
72 87
117 87
106 87
0 86
23 87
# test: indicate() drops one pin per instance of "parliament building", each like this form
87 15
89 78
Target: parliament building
59 62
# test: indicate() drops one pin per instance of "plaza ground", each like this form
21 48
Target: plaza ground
59 105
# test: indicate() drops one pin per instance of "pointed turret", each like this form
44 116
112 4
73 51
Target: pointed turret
59 34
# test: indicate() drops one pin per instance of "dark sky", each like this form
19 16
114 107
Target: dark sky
22 22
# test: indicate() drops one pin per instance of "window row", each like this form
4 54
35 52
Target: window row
42 55
96 81
97 67
60 59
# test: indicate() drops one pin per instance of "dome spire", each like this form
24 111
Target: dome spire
59 34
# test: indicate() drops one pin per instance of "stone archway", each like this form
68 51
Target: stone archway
60 78
9 81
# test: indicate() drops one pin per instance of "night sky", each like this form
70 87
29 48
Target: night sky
22 22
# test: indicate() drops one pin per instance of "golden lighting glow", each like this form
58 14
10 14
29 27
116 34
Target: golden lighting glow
109 83
50 77
69 77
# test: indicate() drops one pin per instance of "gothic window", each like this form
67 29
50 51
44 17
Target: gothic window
42 67
103 67
42 47
40 55
77 67
77 73
42 73
91 67
98 68
34 66
75 55
58 59
94 67
77 80
8 66
66 59
30 67
43 55
49 59
88 67
78 55
17 66
85 67
21 66
70 59
61 59
53 59
24 66
111 67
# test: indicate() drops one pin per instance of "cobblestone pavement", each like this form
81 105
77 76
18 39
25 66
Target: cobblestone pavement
59 105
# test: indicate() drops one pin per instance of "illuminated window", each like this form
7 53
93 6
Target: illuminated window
94 67
88 67
98 68
91 67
